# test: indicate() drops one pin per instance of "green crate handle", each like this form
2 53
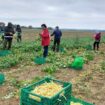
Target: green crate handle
36 95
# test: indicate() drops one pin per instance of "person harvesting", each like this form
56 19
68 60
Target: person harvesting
8 36
19 31
45 36
97 38
57 38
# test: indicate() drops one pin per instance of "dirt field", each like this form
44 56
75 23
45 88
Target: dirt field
88 84
30 34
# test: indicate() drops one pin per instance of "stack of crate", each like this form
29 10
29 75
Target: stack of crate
57 99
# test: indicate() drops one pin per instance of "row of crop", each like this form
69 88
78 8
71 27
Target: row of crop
60 60
27 51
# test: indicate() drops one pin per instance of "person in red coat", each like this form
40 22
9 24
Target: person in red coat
45 36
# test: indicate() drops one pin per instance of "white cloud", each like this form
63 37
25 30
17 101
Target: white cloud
65 13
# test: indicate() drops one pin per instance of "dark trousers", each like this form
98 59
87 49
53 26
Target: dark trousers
19 39
45 53
7 43
56 44
96 45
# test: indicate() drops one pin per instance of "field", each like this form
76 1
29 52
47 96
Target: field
20 69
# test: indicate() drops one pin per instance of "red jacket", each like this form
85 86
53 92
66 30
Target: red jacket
45 37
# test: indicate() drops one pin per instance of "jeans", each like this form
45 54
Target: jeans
45 53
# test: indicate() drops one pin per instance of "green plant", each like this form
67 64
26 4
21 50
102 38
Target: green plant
36 79
89 56
103 66
50 69
16 83
8 62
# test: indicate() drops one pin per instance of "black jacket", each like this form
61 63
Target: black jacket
18 30
9 31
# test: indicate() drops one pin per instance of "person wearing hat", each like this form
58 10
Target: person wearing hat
97 38
8 36
57 38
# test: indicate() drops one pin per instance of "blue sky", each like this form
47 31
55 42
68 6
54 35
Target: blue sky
74 14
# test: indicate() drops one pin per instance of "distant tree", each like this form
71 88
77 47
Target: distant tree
24 27
30 27
2 26
50 28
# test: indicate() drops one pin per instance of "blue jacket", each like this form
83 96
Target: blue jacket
57 34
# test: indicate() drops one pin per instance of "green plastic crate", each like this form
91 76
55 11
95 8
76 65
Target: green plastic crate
26 100
40 60
73 99
62 49
2 78
4 52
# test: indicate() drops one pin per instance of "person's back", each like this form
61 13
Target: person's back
8 36
57 33
9 31
57 38
98 36
18 29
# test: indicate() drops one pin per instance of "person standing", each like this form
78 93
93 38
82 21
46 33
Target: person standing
19 31
45 36
97 38
2 28
8 36
57 38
